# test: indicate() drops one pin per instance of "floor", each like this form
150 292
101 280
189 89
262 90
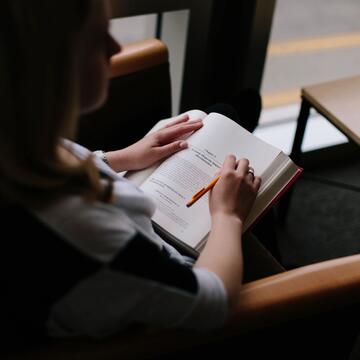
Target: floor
324 216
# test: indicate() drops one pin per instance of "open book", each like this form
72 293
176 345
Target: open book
174 181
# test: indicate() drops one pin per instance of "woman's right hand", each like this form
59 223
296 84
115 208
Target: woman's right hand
235 192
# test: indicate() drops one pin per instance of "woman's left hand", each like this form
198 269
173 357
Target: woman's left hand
155 146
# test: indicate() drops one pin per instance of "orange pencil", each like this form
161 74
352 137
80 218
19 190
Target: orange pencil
203 191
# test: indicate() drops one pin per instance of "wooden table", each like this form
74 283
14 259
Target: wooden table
339 102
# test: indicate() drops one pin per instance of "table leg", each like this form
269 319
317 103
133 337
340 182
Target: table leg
295 155
300 130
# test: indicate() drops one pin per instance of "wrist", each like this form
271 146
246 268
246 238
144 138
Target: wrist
114 159
223 217
118 160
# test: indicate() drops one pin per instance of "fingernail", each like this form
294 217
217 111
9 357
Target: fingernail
183 144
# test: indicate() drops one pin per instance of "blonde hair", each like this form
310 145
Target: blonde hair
39 100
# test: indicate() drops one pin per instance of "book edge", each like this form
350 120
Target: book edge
279 195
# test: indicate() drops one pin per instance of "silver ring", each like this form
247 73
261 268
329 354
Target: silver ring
251 171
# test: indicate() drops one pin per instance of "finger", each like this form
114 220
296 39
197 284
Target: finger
243 166
181 119
250 175
229 162
171 133
257 183
168 149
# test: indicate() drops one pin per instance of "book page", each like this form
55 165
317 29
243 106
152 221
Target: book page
138 177
174 182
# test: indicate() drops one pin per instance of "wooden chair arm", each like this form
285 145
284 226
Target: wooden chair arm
139 56
298 293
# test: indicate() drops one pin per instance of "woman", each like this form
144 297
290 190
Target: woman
94 264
